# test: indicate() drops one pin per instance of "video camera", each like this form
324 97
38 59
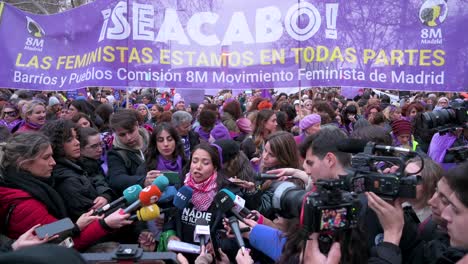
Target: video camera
365 176
327 209
445 120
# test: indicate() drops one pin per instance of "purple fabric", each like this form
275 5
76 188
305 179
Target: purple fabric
219 131
202 133
309 121
12 125
439 145
170 165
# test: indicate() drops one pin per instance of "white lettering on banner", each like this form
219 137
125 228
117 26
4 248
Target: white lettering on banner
302 21
195 24
190 215
121 29
268 24
238 30
149 75
145 20
420 78
20 77
171 29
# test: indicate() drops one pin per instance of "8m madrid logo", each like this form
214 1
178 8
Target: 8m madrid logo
432 14
36 41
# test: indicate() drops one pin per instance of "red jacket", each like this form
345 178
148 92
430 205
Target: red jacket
28 212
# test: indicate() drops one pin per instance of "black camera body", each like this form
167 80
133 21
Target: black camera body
330 208
445 120
327 209
365 176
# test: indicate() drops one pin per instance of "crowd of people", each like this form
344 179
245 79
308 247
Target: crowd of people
68 157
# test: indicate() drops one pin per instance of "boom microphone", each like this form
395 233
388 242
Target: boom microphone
146 213
130 195
352 145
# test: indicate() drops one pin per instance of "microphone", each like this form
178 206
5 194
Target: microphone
352 145
266 177
146 213
130 195
148 196
239 204
162 182
183 196
237 233
202 231
168 195
225 204
181 200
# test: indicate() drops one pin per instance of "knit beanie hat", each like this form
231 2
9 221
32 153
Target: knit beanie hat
309 121
401 127
230 148
53 101
244 125
178 98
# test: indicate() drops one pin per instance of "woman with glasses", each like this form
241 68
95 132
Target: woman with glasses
91 147
11 118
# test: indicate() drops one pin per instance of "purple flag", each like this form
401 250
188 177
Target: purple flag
266 44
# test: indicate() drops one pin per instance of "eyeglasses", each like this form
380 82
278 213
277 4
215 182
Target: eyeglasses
11 113
96 146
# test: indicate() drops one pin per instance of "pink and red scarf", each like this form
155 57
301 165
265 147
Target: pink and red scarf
203 192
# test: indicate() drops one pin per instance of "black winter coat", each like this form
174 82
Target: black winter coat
76 189
123 170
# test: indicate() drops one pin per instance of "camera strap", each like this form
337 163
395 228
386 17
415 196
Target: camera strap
301 217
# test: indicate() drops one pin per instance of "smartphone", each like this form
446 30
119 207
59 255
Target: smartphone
172 176
62 227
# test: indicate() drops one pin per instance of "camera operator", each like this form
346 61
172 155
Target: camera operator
451 125
449 204
322 161
440 143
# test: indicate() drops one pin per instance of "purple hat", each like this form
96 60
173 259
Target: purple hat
220 132
309 121
244 125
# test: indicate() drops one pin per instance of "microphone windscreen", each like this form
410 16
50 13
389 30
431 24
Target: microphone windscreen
148 213
351 145
132 193
150 195
168 194
229 193
183 197
223 202
162 182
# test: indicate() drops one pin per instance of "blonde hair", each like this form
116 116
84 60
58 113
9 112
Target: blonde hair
28 108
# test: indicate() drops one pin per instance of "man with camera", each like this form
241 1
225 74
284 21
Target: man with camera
449 204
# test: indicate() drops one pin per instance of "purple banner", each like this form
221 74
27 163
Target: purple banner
403 45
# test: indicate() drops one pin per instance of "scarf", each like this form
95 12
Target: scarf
170 165
203 192
32 126
39 188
